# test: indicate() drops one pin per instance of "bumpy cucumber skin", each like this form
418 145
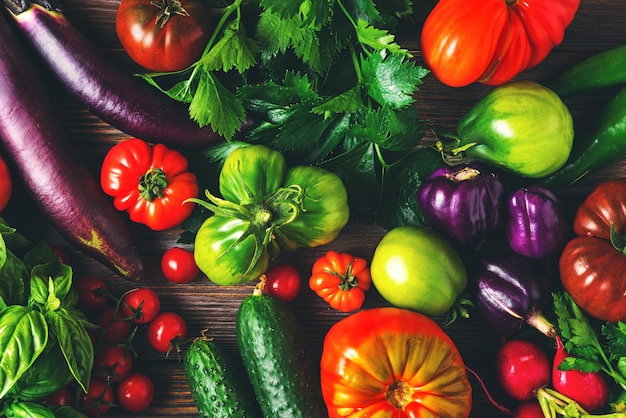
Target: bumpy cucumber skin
216 388
275 356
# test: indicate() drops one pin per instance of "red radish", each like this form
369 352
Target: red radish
522 368
589 389
528 409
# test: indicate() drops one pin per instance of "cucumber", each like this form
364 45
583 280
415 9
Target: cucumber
278 363
218 390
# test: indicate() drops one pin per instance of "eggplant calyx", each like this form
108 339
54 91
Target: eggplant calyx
536 319
20 6
167 8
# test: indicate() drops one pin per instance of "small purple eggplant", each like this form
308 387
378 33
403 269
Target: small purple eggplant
464 203
508 292
536 223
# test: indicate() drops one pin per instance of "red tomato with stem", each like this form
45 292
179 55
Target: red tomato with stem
115 326
6 184
164 35
141 304
98 399
135 393
179 266
491 41
592 264
393 362
93 293
341 279
150 182
282 281
166 331
112 362
62 397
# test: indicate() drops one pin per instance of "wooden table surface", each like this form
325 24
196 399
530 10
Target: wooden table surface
599 24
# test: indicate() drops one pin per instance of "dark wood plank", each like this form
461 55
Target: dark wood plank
598 25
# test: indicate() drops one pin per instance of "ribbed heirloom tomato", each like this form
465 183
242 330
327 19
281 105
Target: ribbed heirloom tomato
491 41
164 35
390 362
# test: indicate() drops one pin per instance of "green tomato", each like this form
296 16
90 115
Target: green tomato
227 254
416 268
522 127
325 209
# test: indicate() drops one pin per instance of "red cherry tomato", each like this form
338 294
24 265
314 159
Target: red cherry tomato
115 326
141 304
179 266
61 254
166 331
92 293
62 397
98 399
112 362
6 184
164 35
282 281
135 393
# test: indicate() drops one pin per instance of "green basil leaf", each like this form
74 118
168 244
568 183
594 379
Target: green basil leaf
41 253
66 412
60 274
47 375
38 291
22 409
13 275
23 337
74 342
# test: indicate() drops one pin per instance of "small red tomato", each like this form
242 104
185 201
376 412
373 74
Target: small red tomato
112 362
61 254
135 393
98 399
141 304
62 397
93 293
179 266
115 327
6 184
166 331
282 281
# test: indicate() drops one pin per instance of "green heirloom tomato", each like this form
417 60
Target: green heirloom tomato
251 174
416 268
222 254
325 209
522 126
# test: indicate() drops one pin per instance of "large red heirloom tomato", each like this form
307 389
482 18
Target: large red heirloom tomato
593 264
392 362
164 35
491 41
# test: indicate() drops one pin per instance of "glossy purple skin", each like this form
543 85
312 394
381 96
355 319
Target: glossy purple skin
536 223
508 290
464 203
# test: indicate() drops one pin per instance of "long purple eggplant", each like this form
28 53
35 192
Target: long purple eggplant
115 97
59 182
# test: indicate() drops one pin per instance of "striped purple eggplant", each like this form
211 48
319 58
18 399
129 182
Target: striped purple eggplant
464 203
57 179
127 103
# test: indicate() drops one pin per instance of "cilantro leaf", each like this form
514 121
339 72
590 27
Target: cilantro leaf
233 50
389 79
379 39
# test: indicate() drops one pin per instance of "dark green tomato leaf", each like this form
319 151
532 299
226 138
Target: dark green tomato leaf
13 276
47 375
25 409
391 129
74 342
390 79
398 202
23 337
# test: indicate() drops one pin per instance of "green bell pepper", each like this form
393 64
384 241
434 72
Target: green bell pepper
266 207
522 127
